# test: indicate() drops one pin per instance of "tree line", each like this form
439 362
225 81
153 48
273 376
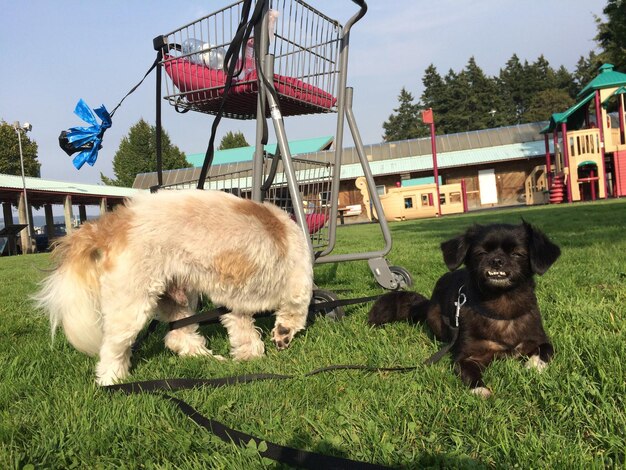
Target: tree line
522 92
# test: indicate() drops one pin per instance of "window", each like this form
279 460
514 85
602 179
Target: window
455 198
381 190
408 203
427 199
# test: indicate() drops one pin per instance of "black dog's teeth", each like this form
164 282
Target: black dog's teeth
496 273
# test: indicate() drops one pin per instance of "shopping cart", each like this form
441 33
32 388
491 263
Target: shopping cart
281 58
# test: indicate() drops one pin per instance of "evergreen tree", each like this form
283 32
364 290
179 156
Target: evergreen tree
435 96
434 90
586 70
137 154
544 103
233 140
564 80
404 123
10 152
457 116
612 34
510 87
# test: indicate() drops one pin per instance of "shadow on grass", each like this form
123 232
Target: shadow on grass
423 461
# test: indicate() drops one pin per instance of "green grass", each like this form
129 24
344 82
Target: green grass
52 415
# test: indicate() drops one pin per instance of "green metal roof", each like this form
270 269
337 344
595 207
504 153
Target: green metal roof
573 117
449 159
40 184
607 78
245 154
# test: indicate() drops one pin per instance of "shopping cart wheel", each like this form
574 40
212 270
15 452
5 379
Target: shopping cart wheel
401 276
320 296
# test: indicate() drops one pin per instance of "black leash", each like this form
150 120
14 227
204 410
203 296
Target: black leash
277 452
453 324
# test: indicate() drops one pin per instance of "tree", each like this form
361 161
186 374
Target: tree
511 89
586 70
434 90
137 154
10 152
544 103
233 140
612 34
404 123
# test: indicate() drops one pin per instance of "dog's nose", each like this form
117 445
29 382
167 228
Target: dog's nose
497 262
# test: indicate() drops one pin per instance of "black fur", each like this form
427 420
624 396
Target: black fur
501 316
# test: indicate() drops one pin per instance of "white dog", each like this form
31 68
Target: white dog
155 255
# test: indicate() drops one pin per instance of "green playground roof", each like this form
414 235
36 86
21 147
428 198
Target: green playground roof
245 154
574 115
607 78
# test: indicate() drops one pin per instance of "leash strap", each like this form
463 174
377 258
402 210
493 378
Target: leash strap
212 316
460 301
276 452
152 67
444 350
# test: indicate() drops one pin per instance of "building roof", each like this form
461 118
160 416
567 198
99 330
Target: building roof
466 148
42 191
245 154
607 78
449 159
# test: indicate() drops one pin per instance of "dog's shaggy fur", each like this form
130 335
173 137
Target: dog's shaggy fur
501 316
155 255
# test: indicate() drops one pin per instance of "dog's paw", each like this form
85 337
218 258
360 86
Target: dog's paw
535 362
109 378
482 392
248 350
282 336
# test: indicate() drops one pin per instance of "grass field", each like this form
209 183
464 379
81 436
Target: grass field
573 415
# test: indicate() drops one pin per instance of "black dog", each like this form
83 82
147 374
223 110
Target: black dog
498 313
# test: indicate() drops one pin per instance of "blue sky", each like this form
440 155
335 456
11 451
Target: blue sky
56 52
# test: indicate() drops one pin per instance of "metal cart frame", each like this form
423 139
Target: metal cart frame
261 176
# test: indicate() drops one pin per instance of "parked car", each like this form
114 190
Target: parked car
42 239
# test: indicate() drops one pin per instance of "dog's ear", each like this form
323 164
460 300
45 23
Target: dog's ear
542 252
454 251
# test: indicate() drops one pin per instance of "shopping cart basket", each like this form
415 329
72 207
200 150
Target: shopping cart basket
283 58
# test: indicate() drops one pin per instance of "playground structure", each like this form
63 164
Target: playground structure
415 201
589 147
294 63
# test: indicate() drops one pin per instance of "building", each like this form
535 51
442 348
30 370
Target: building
44 194
492 165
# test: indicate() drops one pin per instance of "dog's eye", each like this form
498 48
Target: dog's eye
480 252
517 254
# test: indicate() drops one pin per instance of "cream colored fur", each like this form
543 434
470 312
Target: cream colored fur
138 262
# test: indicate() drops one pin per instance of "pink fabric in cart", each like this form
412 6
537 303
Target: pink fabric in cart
289 86
188 77
315 222
209 83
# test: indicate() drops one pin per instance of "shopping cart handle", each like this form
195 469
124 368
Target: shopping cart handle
358 16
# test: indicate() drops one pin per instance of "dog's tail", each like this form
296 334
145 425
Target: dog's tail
398 306
70 295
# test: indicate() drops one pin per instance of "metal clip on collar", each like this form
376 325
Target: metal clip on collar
460 301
